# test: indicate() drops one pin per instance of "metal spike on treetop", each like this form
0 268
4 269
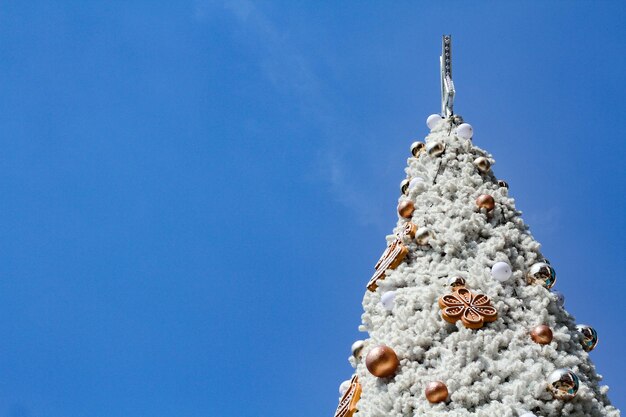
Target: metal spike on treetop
447 85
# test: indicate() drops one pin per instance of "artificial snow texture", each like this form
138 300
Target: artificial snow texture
494 371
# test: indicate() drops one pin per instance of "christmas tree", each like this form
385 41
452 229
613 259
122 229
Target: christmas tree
460 311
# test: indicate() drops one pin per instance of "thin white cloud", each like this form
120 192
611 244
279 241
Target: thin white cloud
288 69
547 220
346 189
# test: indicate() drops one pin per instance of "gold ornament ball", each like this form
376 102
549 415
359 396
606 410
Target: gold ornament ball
541 334
406 208
483 164
563 384
404 186
382 361
436 392
417 148
357 348
486 201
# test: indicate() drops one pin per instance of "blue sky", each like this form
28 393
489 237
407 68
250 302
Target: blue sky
194 193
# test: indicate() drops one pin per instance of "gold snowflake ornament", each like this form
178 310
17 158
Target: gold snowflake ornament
474 310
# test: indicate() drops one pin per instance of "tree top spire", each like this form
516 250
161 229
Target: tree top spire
447 85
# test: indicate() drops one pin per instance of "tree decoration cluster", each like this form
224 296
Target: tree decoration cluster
473 309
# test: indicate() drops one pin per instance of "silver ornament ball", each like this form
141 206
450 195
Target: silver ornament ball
417 148
456 282
357 348
541 273
404 186
589 337
435 148
422 236
563 383
483 164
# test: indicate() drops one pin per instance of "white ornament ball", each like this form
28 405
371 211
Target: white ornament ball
388 300
415 182
501 271
344 387
433 120
465 131
528 415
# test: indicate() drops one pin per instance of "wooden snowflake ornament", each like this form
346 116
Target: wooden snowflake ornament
347 404
393 256
474 310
